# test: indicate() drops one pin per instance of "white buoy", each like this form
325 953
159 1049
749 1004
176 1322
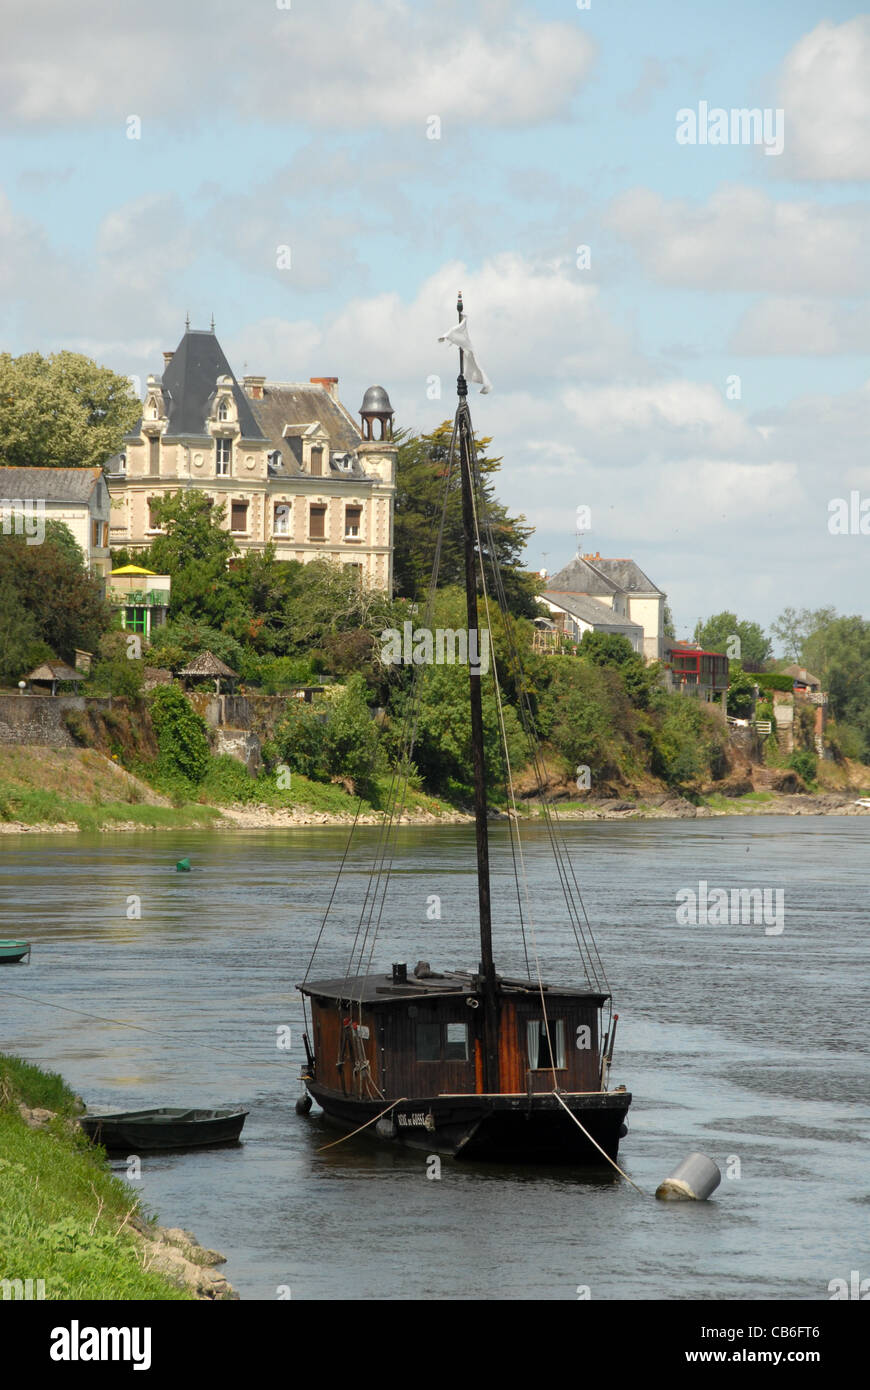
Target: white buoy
694 1180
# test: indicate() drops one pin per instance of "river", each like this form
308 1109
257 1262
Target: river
745 1043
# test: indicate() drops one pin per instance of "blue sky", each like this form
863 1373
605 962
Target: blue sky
307 127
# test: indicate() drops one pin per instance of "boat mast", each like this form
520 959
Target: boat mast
487 965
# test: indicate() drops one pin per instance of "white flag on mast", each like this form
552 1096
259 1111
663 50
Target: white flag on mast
472 370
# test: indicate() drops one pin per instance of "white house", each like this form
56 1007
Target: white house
78 497
591 594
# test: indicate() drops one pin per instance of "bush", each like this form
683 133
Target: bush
181 735
299 741
805 764
774 680
847 741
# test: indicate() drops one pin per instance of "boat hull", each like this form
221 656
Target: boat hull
11 952
144 1131
490 1128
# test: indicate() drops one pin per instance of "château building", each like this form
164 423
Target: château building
286 460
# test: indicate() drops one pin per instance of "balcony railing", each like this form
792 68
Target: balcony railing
139 598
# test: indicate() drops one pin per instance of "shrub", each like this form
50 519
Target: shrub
805 764
181 735
774 680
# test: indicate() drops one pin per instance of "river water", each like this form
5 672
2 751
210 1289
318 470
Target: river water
748 1044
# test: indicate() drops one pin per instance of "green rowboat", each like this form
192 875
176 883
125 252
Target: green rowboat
13 951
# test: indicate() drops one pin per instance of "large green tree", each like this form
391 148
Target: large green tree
838 652
420 481
795 626
58 604
717 632
195 550
62 411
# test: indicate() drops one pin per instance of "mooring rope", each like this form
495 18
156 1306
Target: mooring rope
598 1146
362 1127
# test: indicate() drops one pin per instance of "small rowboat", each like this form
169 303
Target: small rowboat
167 1128
13 951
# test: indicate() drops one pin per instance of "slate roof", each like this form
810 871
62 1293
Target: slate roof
52 484
189 384
295 407
578 577
626 575
591 611
592 575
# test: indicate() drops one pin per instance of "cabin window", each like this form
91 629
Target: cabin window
455 1042
540 1055
442 1042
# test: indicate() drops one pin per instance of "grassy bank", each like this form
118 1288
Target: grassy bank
73 786
64 1218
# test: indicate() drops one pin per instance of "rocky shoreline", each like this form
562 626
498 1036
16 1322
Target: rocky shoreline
664 807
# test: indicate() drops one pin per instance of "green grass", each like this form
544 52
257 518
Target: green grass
63 1215
226 783
735 804
36 806
37 1089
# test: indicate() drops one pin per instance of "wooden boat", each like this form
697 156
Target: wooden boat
471 1064
13 951
166 1128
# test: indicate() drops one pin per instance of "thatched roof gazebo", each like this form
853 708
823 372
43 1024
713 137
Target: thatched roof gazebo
207 666
53 673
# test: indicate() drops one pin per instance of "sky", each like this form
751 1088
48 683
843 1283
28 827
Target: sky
676 329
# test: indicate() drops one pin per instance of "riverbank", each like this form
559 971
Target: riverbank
70 1229
58 790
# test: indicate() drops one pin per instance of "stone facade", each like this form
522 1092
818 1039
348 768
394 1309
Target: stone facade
285 459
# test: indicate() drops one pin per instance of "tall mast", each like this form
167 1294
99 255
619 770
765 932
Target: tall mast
487 965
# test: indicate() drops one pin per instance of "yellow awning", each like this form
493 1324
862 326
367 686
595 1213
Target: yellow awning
131 569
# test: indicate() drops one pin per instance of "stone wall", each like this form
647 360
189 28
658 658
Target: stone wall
41 718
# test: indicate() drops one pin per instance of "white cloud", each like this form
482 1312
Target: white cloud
803 327
824 91
742 239
333 63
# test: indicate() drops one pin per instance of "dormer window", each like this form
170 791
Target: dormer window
223 410
153 413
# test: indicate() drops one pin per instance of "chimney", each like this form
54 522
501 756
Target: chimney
254 386
329 384
167 358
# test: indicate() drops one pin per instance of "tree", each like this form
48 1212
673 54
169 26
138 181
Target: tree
794 628
420 480
62 411
668 629
613 650
65 603
718 632
839 654
195 550
741 691
18 636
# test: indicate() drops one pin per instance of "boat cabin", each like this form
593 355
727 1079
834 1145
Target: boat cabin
421 1034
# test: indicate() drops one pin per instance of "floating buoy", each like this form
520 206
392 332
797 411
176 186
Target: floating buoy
303 1104
183 866
385 1129
694 1180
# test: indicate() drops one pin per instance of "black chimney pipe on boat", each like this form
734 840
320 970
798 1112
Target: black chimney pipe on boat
487 965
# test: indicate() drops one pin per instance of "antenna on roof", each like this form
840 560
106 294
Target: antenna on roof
187 321
212 323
